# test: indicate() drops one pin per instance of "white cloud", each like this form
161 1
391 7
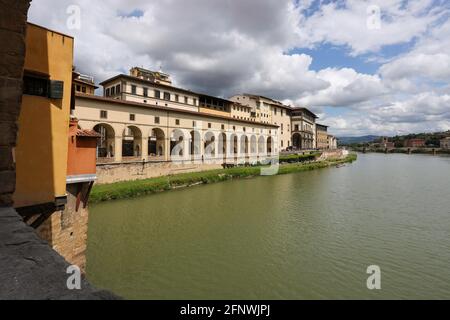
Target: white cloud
433 66
228 47
347 87
346 23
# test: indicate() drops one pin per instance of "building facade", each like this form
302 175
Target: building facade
266 110
84 84
146 89
322 137
132 131
142 116
303 129
445 143
332 142
414 143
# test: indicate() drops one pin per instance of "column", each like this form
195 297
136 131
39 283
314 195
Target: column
144 148
167 149
118 149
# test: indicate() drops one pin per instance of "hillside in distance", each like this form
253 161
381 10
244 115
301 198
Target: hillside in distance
356 140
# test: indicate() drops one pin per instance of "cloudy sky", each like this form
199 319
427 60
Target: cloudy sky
365 67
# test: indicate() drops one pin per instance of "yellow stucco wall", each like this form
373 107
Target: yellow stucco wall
41 153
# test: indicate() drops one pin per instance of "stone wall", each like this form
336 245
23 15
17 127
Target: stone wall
13 16
110 173
29 269
333 154
66 231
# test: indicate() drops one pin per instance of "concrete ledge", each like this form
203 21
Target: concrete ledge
31 270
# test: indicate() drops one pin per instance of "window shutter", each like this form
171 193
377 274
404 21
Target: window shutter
56 89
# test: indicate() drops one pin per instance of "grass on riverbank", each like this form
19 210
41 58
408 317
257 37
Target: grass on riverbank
131 189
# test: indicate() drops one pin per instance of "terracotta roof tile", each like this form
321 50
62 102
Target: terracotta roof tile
87 133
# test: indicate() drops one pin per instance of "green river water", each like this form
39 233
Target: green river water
309 235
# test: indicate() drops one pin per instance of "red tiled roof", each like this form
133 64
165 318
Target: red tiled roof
87 133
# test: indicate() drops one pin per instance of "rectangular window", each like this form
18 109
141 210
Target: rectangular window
186 100
133 89
103 114
195 102
35 86
107 92
282 143
194 124
167 96
157 94
83 89
113 91
156 120
118 89
177 98
78 88
209 125
132 117
177 122
297 127
223 127
145 92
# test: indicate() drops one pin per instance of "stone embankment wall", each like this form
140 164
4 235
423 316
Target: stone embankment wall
110 173
66 230
117 172
333 154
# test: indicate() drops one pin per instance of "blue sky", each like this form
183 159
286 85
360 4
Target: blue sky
332 56
362 73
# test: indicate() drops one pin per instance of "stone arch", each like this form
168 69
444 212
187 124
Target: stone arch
270 146
131 142
234 145
253 145
105 145
261 145
244 145
156 143
297 141
222 145
210 144
178 143
195 143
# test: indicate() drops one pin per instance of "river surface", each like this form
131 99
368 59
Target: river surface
308 235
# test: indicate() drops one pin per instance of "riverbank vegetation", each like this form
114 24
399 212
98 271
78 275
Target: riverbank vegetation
429 151
131 189
431 141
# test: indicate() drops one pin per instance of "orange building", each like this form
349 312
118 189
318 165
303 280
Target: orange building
81 163
414 143
55 161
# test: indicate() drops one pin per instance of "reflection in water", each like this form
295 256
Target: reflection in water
310 235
